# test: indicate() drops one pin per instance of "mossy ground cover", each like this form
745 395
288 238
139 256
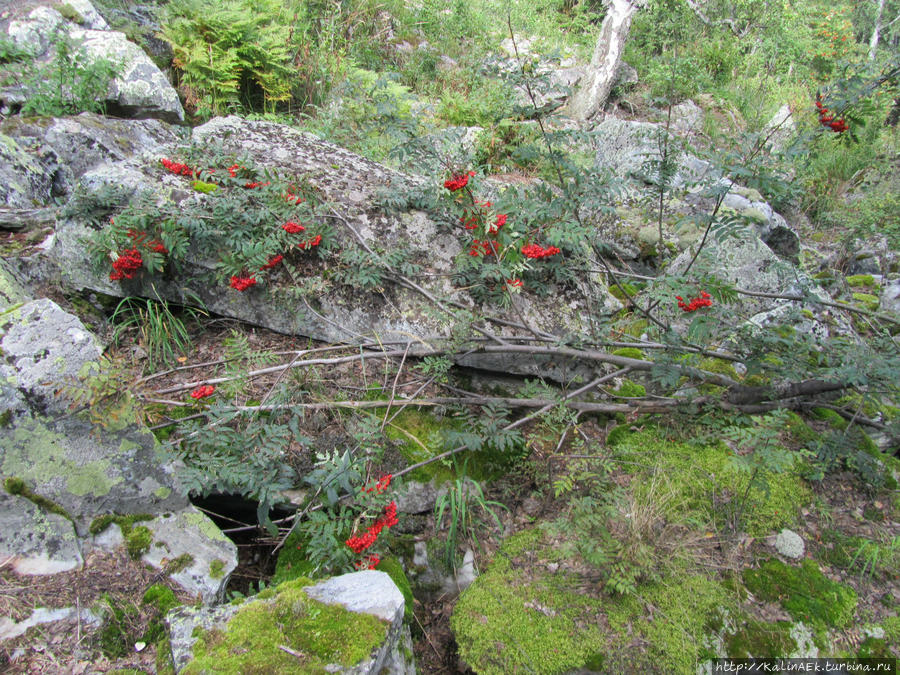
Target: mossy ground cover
322 634
709 486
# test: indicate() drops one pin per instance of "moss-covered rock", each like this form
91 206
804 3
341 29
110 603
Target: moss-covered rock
806 593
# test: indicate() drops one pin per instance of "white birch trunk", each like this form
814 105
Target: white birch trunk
596 85
873 42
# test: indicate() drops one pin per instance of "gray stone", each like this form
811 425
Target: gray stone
213 555
790 544
351 183
11 291
890 297
45 346
24 182
42 615
687 117
183 624
780 129
34 541
418 497
139 88
368 592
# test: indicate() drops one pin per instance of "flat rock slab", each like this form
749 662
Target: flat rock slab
33 541
366 592
213 556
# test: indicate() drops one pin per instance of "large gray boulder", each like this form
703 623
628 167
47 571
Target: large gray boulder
35 541
369 593
139 88
351 185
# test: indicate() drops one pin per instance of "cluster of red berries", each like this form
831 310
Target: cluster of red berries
702 300
381 485
516 283
458 182
250 185
242 283
273 261
370 562
470 222
292 228
292 198
315 241
176 167
233 169
203 392
483 247
140 239
126 265
364 541
537 252
826 119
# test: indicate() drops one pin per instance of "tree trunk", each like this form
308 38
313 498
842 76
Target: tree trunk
873 42
595 87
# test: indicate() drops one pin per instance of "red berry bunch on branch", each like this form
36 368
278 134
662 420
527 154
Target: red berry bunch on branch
204 391
176 167
360 543
827 119
126 264
702 300
242 283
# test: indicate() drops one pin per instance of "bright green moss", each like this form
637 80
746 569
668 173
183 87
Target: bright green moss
18 487
772 503
216 569
759 639
125 522
861 280
631 389
205 188
322 634
799 430
394 569
617 293
160 596
292 562
137 542
720 367
629 353
806 593
617 434
866 301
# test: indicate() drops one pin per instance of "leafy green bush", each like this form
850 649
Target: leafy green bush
230 53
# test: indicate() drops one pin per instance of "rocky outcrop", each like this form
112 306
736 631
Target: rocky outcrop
358 619
124 159
63 468
139 88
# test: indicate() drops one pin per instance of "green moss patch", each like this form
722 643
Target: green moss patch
322 634
696 471
394 569
861 281
806 593
759 639
519 616
292 562
18 487
629 353
137 542
866 301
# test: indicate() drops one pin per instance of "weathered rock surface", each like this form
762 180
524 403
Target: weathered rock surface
366 592
349 182
213 556
139 88
33 541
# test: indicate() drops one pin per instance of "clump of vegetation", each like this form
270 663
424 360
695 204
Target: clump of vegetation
17 486
806 593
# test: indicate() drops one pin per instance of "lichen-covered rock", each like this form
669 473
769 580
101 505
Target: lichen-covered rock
45 346
88 470
139 88
11 291
352 624
351 184
209 557
35 541
24 182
